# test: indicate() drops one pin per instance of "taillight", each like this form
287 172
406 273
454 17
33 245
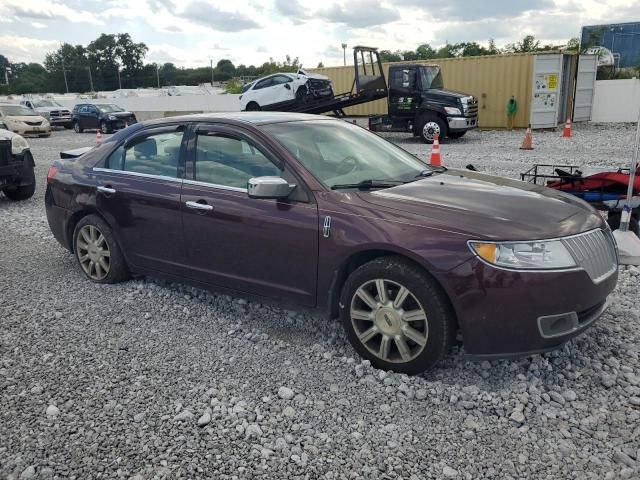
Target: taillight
51 174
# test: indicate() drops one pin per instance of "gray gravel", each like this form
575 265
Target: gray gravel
148 379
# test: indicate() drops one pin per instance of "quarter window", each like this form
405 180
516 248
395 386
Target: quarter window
157 154
229 161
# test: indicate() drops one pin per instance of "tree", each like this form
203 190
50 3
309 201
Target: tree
388 56
493 50
131 56
526 45
573 45
425 52
225 70
169 73
320 65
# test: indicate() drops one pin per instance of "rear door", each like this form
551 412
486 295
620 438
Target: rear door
139 196
260 246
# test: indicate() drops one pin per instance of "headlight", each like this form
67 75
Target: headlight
18 144
536 255
46 115
452 111
112 117
45 123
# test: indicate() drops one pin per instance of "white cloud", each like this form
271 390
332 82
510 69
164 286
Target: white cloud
45 10
26 49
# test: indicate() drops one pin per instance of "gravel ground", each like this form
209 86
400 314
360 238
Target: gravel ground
148 379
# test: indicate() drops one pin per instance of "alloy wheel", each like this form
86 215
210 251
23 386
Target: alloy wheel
430 130
389 320
103 128
93 252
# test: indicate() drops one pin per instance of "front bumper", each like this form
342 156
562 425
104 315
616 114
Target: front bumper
506 313
462 123
121 123
18 170
60 122
29 130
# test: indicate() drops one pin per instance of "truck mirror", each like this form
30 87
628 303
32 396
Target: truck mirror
405 79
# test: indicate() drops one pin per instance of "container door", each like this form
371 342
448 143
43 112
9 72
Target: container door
585 87
547 75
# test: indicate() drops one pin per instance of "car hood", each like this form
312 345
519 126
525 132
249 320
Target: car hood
444 93
315 76
49 109
23 118
6 134
120 114
487 207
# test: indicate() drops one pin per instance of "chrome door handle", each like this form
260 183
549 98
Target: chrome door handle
106 189
199 206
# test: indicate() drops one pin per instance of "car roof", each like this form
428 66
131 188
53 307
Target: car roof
255 118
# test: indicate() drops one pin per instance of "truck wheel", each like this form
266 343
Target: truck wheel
429 125
456 134
18 193
396 316
614 222
77 128
252 107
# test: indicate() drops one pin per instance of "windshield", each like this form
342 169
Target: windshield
110 108
46 103
338 153
17 110
431 77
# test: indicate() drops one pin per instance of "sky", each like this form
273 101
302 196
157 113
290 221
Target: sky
191 33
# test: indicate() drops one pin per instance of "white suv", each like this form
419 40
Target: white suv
281 90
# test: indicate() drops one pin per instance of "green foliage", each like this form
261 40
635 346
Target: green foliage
233 86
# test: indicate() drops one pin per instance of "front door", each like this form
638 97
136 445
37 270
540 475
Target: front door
403 85
88 117
139 196
259 246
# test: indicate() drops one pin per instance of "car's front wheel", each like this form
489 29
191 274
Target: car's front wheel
252 107
104 128
77 128
396 316
97 252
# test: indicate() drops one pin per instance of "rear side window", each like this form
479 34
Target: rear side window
267 82
157 154
229 161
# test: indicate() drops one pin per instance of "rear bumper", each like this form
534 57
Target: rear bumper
462 123
506 313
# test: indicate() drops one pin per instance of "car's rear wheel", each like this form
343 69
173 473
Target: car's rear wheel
97 252
429 125
104 127
252 107
396 316
23 192
77 128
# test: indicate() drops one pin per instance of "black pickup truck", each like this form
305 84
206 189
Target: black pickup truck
418 103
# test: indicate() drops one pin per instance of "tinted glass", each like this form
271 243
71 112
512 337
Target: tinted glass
246 87
109 108
157 154
280 79
263 83
431 77
337 152
229 161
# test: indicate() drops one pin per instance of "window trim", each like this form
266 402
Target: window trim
138 174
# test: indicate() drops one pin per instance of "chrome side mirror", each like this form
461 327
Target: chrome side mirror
269 187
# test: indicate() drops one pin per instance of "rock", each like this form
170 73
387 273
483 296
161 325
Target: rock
37 390
623 458
517 416
608 380
204 420
421 394
183 416
52 411
449 472
635 401
557 397
28 473
253 430
569 395
138 417
289 412
285 393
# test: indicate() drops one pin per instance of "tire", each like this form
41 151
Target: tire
428 125
104 128
455 135
77 128
19 193
91 236
301 95
252 107
614 222
370 330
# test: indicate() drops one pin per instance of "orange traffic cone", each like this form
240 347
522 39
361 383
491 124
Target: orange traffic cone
566 132
527 143
435 152
98 137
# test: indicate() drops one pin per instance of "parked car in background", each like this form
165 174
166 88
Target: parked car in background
313 210
106 117
17 179
284 89
56 114
23 120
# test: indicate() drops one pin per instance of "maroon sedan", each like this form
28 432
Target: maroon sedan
319 212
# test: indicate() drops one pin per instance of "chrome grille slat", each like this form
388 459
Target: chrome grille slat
595 252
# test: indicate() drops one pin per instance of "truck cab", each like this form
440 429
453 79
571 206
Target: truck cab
419 103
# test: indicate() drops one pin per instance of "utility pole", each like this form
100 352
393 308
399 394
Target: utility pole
119 81
6 76
64 73
212 72
158 74
344 53
90 78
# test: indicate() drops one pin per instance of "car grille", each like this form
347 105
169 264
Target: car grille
34 124
55 114
594 251
5 152
470 106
